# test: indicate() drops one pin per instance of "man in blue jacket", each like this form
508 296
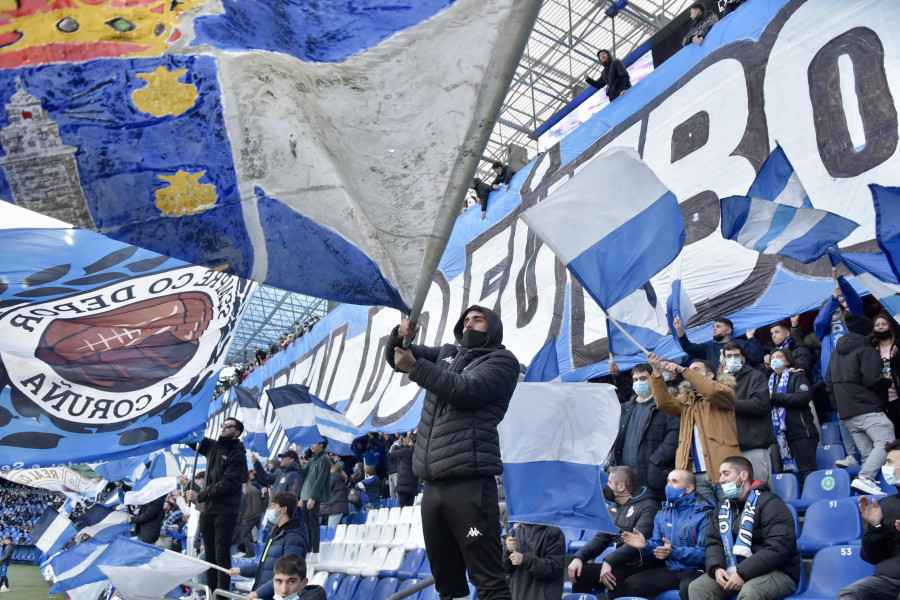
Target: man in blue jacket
457 453
679 537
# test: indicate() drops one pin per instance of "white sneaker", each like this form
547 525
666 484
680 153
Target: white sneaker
4 589
850 461
866 486
238 555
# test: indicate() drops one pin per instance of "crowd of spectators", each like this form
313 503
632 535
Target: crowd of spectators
21 507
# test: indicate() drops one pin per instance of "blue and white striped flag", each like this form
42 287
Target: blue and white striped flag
140 570
874 271
614 225
159 479
643 318
75 574
776 217
307 419
103 524
577 425
255 438
52 531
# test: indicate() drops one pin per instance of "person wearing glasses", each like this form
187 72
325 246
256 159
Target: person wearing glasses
220 497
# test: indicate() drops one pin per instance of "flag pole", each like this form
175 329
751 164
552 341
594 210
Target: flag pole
194 470
628 335
472 147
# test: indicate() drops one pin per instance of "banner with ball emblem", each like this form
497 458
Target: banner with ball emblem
105 340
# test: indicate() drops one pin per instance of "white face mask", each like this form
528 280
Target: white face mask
291 597
733 365
889 476
272 515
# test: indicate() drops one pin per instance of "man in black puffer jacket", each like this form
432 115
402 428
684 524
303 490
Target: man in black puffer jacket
457 450
855 382
220 498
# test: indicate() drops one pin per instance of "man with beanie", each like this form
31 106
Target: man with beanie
702 21
457 452
855 382
614 75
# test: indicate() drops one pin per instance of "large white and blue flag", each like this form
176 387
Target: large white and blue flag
52 531
613 224
140 570
576 424
159 479
102 523
874 271
545 365
642 316
307 419
75 574
777 217
255 438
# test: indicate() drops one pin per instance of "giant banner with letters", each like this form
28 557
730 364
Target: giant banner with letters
819 77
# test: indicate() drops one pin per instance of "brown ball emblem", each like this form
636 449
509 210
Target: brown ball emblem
128 348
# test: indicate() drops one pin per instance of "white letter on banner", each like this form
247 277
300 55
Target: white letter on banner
488 268
720 91
826 37
374 371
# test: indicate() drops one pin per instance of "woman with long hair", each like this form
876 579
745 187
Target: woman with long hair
886 340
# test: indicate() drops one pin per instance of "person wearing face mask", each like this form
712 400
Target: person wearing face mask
885 340
803 357
751 545
631 509
753 410
880 541
795 431
647 436
289 536
457 452
679 539
705 408
290 581
711 351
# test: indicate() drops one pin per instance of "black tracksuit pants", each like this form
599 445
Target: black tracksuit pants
311 518
461 524
216 531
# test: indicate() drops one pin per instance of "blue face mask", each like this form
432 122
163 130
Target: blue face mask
889 476
776 363
673 494
733 365
291 597
733 489
641 388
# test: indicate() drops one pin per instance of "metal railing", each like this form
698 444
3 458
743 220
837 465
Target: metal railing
413 589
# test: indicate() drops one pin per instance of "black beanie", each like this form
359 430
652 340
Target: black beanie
858 324
699 5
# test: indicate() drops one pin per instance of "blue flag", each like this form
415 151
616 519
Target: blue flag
544 367
307 419
140 570
74 571
52 531
887 223
611 246
102 523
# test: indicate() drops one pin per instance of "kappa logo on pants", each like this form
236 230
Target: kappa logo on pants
473 532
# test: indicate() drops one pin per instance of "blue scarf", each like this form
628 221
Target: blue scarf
788 463
743 545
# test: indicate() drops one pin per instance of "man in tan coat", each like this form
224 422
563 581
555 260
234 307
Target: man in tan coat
708 432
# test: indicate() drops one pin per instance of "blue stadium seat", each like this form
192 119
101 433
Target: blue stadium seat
831 433
829 523
332 584
586 536
429 594
785 486
827 455
825 484
407 584
329 534
365 589
572 535
796 519
412 564
348 588
352 518
669 595
384 588
424 569
579 597
833 569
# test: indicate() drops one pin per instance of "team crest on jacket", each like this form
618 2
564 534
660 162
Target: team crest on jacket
108 355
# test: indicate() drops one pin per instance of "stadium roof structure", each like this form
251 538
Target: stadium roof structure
562 46
270 314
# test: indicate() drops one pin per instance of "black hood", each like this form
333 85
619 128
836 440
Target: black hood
495 326
850 342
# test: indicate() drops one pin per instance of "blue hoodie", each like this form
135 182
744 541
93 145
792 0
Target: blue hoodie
828 329
683 523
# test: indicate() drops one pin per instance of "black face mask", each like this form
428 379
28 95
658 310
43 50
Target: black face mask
608 494
882 335
474 339
719 337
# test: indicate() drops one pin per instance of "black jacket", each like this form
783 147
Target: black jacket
774 543
753 410
614 76
894 365
626 519
148 521
468 392
855 381
482 191
656 453
226 472
798 417
543 550
285 479
504 176
700 27
337 504
881 546
407 482
804 358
